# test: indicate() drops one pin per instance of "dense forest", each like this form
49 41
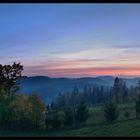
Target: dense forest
29 112
98 95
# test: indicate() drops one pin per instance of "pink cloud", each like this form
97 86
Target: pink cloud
84 71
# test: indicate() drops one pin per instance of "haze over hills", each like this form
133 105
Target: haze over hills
47 88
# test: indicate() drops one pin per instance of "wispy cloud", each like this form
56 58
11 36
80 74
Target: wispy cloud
95 61
84 71
71 40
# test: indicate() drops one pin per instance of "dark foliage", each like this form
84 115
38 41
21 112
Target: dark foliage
68 116
111 112
138 102
82 113
9 76
97 95
53 117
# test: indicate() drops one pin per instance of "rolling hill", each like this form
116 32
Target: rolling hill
47 88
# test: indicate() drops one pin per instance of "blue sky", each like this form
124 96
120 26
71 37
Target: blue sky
71 40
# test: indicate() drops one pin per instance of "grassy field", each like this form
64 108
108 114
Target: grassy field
121 128
95 126
97 114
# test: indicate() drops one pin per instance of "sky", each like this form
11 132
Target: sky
71 40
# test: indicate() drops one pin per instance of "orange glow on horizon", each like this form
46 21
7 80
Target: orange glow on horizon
83 72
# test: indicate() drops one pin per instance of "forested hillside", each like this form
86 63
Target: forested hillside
48 88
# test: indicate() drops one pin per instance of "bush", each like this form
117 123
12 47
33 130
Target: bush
111 112
54 119
82 113
68 116
127 114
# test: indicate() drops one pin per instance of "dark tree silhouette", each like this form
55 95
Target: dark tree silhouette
82 113
9 76
111 112
118 90
53 117
68 116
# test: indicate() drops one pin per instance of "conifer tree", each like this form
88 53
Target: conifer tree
82 113
68 116
111 112
118 91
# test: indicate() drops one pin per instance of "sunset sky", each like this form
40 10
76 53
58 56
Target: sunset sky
71 40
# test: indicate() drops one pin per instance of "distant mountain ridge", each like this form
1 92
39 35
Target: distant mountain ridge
47 88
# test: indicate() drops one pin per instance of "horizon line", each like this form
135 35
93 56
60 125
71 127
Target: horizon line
130 77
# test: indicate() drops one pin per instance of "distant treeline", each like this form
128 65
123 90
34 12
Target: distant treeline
98 95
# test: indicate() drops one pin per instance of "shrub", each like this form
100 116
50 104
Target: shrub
111 112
